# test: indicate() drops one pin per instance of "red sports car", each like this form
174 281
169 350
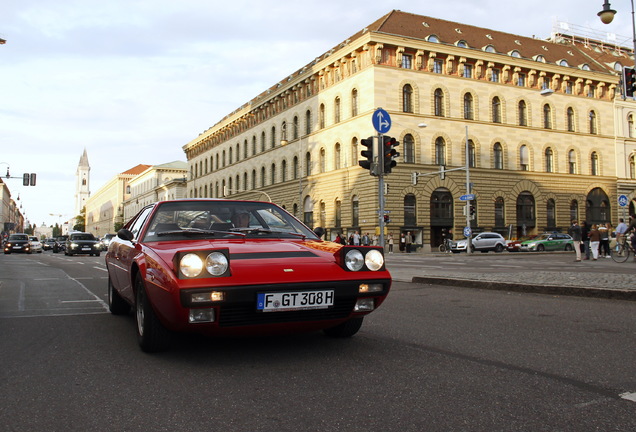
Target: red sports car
223 267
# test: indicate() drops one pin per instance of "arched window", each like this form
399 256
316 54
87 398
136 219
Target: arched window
593 122
523 113
253 179
295 126
308 212
498 156
407 98
496 110
439 102
547 116
570 120
262 143
262 176
468 107
440 151
525 210
524 158
409 148
323 160
500 219
630 126
572 162
338 214
471 154
336 109
550 214
632 167
337 157
355 211
295 168
272 175
321 119
574 210
307 122
354 102
549 160
308 164
594 164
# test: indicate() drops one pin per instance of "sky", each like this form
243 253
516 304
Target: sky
133 81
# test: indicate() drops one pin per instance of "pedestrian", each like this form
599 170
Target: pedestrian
595 238
575 232
356 239
585 231
402 243
365 239
632 228
338 239
621 229
604 249
409 241
390 243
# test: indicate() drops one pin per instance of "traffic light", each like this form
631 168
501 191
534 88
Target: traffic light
32 178
369 154
472 212
629 81
389 154
26 178
387 219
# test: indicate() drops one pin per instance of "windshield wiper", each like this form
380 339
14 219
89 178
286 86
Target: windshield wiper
267 231
197 231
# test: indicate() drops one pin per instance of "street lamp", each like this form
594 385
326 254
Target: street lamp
607 16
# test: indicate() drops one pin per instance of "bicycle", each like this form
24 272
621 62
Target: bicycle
445 247
620 253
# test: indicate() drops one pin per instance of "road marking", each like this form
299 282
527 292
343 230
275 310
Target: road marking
99 268
21 297
629 396
100 301
79 301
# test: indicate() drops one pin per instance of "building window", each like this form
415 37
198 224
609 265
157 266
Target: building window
632 167
438 66
323 161
308 164
630 126
570 116
336 157
272 175
549 160
521 80
409 148
523 113
407 98
572 162
295 168
336 108
262 146
494 77
308 212
338 209
524 158
594 164
468 107
471 154
410 213
354 102
355 218
263 177
525 210
273 139
496 110
547 116
321 118
407 61
498 156
440 151
568 87
439 102
295 126
500 219
574 210
550 214
592 122
468 71
307 122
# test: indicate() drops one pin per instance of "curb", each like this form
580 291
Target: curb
614 294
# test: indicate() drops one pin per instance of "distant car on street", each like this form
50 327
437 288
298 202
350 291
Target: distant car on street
82 243
48 244
18 242
548 242
483 242
36 246
60 244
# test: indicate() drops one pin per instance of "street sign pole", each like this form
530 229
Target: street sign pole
468 238
381 121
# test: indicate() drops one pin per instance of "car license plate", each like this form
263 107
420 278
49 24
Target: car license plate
287 301
86 248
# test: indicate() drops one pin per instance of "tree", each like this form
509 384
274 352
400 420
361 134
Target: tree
80 221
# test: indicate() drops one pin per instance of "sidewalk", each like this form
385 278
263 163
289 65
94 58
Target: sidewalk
577 279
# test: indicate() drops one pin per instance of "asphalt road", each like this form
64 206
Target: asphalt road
432 358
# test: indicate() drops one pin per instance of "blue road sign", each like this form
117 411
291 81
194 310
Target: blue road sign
622 200
381 121
467 232
468 197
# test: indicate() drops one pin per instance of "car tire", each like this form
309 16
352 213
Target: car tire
151 334
499 248
569 248
540 248
97 254
116 304
346 329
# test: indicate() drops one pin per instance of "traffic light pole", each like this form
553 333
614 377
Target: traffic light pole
468 215
381 186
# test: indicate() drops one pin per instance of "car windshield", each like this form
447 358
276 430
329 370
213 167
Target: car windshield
85 236
223 219
18 237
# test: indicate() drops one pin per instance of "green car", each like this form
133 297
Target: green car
548 242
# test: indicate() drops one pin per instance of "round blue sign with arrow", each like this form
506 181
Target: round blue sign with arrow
381 121
622 200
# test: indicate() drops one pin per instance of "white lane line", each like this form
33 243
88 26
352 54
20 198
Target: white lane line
100 301
78 301
21 297
629 396
100 268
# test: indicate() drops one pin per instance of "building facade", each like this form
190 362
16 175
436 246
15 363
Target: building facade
533 120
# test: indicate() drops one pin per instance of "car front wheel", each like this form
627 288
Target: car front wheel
346 329
569 248
540 248
151 334
499 248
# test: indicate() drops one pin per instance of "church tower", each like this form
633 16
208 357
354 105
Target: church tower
82 182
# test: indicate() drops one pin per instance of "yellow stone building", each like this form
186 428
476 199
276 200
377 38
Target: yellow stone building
540 118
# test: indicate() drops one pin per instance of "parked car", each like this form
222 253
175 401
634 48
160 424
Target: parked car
36 246
17 243
48 244
223 267
515 245
483 242
549 242
82 243
104 241
60 244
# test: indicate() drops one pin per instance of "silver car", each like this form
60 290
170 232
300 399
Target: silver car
36 246
484 242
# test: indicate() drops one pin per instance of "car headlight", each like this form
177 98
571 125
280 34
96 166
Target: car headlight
354 260
190 265
216 263
374 260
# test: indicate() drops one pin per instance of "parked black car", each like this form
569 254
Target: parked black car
60 244
82 243
17 243
48 244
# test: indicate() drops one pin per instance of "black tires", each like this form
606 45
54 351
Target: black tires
569 248
499 248
346 329
116 304
151 334
540 248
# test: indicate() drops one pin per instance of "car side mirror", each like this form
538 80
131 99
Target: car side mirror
319 231
125 234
